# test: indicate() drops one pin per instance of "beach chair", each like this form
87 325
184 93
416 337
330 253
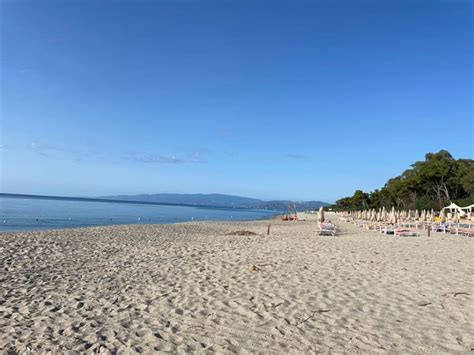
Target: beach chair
404 232
440 228
388 230
467 232
327 229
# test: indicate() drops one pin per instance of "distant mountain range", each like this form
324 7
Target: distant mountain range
219 200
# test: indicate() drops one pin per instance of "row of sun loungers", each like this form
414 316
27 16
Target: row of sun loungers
413 229
402 229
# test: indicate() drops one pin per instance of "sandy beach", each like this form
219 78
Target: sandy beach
192 288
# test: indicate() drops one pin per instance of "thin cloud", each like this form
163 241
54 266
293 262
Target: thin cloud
46 149
189 158
296 156
43 148
226 133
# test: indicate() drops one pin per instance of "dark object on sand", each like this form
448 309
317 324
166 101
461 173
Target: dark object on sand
242 232
268 229
254 268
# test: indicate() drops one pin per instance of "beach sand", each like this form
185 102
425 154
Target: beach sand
192 288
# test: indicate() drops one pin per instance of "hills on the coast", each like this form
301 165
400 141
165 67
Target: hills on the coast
220 200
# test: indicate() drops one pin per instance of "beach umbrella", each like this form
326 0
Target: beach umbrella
321 214
442 216
456 216
432 215
394 218
417 215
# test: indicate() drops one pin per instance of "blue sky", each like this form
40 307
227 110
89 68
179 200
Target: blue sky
295 100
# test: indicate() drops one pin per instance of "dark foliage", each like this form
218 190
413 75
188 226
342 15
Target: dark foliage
431 183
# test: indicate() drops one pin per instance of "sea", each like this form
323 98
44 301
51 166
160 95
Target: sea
39 213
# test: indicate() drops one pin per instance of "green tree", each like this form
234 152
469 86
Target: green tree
431 183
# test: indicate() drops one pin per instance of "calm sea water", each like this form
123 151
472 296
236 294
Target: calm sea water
21 214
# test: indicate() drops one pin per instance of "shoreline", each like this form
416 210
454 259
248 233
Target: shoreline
46 229
192 287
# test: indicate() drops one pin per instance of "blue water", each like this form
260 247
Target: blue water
23 214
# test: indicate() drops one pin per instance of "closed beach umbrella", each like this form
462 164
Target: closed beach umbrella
417 215
321 214
442 215
393 216
456 216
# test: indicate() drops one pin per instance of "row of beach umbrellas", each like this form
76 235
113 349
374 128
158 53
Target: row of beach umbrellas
394 216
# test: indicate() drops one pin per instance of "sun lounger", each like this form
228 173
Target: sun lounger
388 230
468 232
404 232
441 228
327 229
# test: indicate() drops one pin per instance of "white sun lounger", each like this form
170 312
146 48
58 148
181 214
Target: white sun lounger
403 232
327 229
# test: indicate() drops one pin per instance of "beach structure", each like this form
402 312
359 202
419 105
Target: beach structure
453 208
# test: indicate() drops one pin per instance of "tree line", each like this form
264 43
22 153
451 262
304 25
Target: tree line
432 183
